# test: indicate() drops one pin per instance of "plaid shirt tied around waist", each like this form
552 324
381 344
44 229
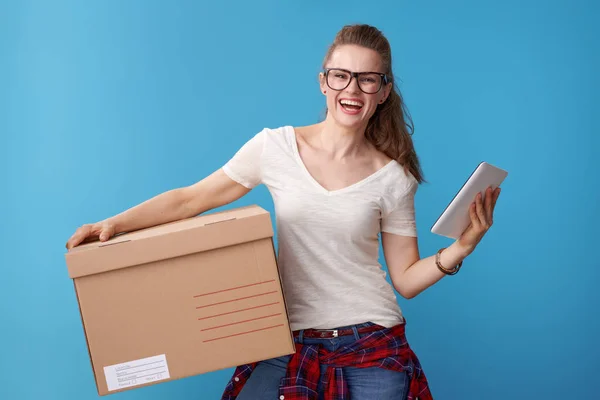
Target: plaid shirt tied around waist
386 348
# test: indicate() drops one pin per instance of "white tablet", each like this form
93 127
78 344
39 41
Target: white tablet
455 218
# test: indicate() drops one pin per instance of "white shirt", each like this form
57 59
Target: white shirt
328 241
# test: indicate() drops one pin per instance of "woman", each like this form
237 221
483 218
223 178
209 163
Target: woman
336 185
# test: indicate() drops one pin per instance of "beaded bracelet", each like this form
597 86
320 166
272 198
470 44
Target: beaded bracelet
446 271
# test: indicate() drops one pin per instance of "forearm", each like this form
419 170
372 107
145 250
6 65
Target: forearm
211 192
163 208
424 273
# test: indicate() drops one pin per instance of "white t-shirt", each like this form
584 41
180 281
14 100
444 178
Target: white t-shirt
328 241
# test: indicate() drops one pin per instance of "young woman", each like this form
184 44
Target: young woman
337 186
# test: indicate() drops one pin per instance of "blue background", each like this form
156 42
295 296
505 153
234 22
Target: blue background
104 104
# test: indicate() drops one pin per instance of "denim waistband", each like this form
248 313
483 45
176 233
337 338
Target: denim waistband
354 328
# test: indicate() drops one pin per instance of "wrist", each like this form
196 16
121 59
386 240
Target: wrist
112 222
449 260
461 250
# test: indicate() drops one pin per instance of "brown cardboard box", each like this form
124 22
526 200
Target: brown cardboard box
181 299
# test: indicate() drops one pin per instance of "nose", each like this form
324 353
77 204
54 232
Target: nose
353 85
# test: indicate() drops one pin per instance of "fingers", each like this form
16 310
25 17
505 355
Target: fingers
80 234
106 233
480 212
474 219
488 205
496 195
102 231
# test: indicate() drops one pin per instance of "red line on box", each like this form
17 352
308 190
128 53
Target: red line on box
241 322
243 333
237 311
234 288
241 298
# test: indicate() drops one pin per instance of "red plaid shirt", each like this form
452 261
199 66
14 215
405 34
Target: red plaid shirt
386 348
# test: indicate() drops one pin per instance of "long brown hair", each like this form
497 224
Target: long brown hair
390 129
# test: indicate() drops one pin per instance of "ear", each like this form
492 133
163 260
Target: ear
386 91
322 83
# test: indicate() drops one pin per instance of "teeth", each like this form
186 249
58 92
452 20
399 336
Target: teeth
351 103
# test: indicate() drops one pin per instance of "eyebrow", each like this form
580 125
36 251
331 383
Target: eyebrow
358 72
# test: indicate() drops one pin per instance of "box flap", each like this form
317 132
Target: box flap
179 238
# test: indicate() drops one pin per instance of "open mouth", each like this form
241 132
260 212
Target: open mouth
351 106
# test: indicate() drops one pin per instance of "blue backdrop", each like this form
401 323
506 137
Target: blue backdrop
104 104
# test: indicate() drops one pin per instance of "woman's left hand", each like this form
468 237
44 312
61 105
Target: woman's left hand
482 218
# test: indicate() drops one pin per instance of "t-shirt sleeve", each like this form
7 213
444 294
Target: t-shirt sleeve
245 167
400 220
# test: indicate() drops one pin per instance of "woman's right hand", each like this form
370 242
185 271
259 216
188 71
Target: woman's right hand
103 230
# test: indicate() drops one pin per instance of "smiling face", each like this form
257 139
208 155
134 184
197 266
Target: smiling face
352 107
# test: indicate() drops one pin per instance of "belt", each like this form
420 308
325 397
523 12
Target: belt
332 333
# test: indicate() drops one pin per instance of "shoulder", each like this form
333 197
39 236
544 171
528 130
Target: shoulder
281 134
289 137
400 188
306 132
397 179
400 182
266 138
273 143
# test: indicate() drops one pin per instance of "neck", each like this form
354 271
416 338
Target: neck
341 142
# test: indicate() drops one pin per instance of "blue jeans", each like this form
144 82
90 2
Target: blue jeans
363 383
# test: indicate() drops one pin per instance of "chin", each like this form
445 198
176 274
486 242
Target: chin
350 121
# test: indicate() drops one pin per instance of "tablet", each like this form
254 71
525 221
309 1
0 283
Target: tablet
455 219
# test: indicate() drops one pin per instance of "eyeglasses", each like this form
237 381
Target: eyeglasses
368 82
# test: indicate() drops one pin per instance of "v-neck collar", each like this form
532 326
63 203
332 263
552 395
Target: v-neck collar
292 135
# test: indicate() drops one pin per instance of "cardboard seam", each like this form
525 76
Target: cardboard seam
275 255
87 341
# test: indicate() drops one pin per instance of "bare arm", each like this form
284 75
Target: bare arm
411 274
211 192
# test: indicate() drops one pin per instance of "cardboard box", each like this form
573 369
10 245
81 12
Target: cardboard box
181 299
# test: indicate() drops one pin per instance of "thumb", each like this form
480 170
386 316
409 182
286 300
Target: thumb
104 236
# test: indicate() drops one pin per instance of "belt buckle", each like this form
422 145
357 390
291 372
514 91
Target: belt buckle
334 332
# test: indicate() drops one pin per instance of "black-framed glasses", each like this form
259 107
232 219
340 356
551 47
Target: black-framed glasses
368 82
